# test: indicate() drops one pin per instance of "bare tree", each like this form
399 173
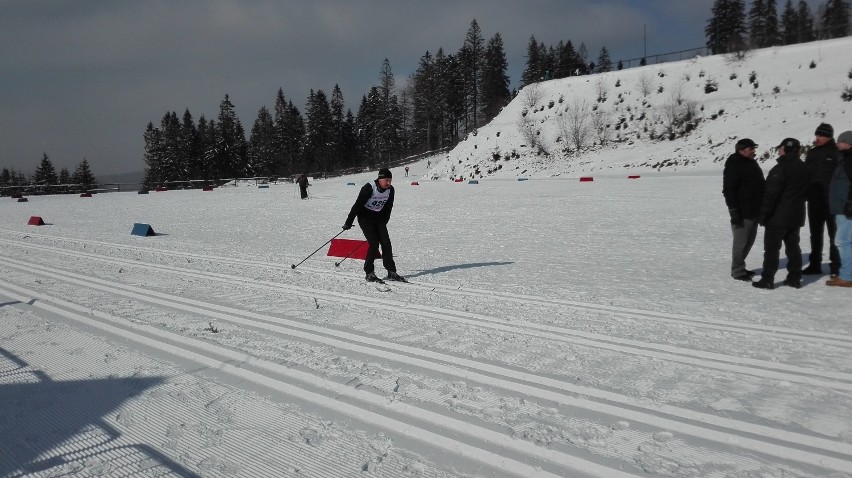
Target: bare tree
645 84
532 137
600 125
574 124
531 95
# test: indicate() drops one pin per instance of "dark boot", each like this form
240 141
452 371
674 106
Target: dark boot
764 283
792 282
812 269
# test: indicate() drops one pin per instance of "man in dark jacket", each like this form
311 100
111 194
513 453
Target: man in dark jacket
303 186
742 186
373 209
821 161
840 206
782 213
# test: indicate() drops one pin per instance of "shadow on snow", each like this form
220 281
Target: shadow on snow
46 424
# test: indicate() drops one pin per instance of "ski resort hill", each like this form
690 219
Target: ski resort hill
673 117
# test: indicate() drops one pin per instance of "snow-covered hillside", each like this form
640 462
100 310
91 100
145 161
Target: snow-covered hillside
771 94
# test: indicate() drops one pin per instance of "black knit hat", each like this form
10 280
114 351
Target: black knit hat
385 173
824 129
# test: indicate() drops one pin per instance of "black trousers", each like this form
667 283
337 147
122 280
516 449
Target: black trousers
818 220
304 192
772 239
377 234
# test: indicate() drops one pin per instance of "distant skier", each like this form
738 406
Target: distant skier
373 209
303 185
406 171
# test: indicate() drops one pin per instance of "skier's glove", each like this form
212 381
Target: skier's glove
736 217
847 210
347 227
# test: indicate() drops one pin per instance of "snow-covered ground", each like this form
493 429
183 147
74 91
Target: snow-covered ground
552 328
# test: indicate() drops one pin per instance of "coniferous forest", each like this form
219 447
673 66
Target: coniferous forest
449 95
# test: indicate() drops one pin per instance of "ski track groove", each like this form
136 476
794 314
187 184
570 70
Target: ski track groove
710 360
281 378
520 383
710 323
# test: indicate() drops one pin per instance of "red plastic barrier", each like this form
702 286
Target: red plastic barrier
35 221
635 176
586 179
162 188
415 183
207 188
458 180
343 248
85 195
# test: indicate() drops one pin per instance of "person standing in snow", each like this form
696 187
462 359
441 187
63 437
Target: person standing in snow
821 161
373 209
840 206
406 171
742 187
303 186
782 213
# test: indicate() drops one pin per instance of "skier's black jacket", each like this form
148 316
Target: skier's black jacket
742 185
784 195
367 215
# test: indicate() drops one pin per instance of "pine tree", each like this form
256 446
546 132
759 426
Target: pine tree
64 176
153 172
835 19
261 146
757 23
188 148
495 80
338 132
83 175
206 131
805 27
230 155
772 31
426 105
604 61
472 57
534 69
726 29
389 120
45 174
569 61
318 133
789 24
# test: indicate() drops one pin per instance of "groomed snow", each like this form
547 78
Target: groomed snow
552 328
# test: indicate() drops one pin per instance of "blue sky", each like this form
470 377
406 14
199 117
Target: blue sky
83 79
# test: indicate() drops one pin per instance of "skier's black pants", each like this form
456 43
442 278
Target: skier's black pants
772 239
304 192
377 234
818 220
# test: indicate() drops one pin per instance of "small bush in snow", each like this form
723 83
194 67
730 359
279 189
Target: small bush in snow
661 74
752 77
733 76
618 83
849 75
710 86
846 95
776 90
701 74
660 89
812 65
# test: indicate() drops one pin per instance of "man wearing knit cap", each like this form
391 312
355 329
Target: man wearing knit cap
373 209
840 206
821 161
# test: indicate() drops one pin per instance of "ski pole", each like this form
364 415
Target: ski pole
293 266
337 264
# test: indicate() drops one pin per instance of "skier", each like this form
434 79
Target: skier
303 186
406 171
373 208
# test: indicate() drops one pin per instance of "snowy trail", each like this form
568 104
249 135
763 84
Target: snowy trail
717 361
527 299
660 416
430 428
